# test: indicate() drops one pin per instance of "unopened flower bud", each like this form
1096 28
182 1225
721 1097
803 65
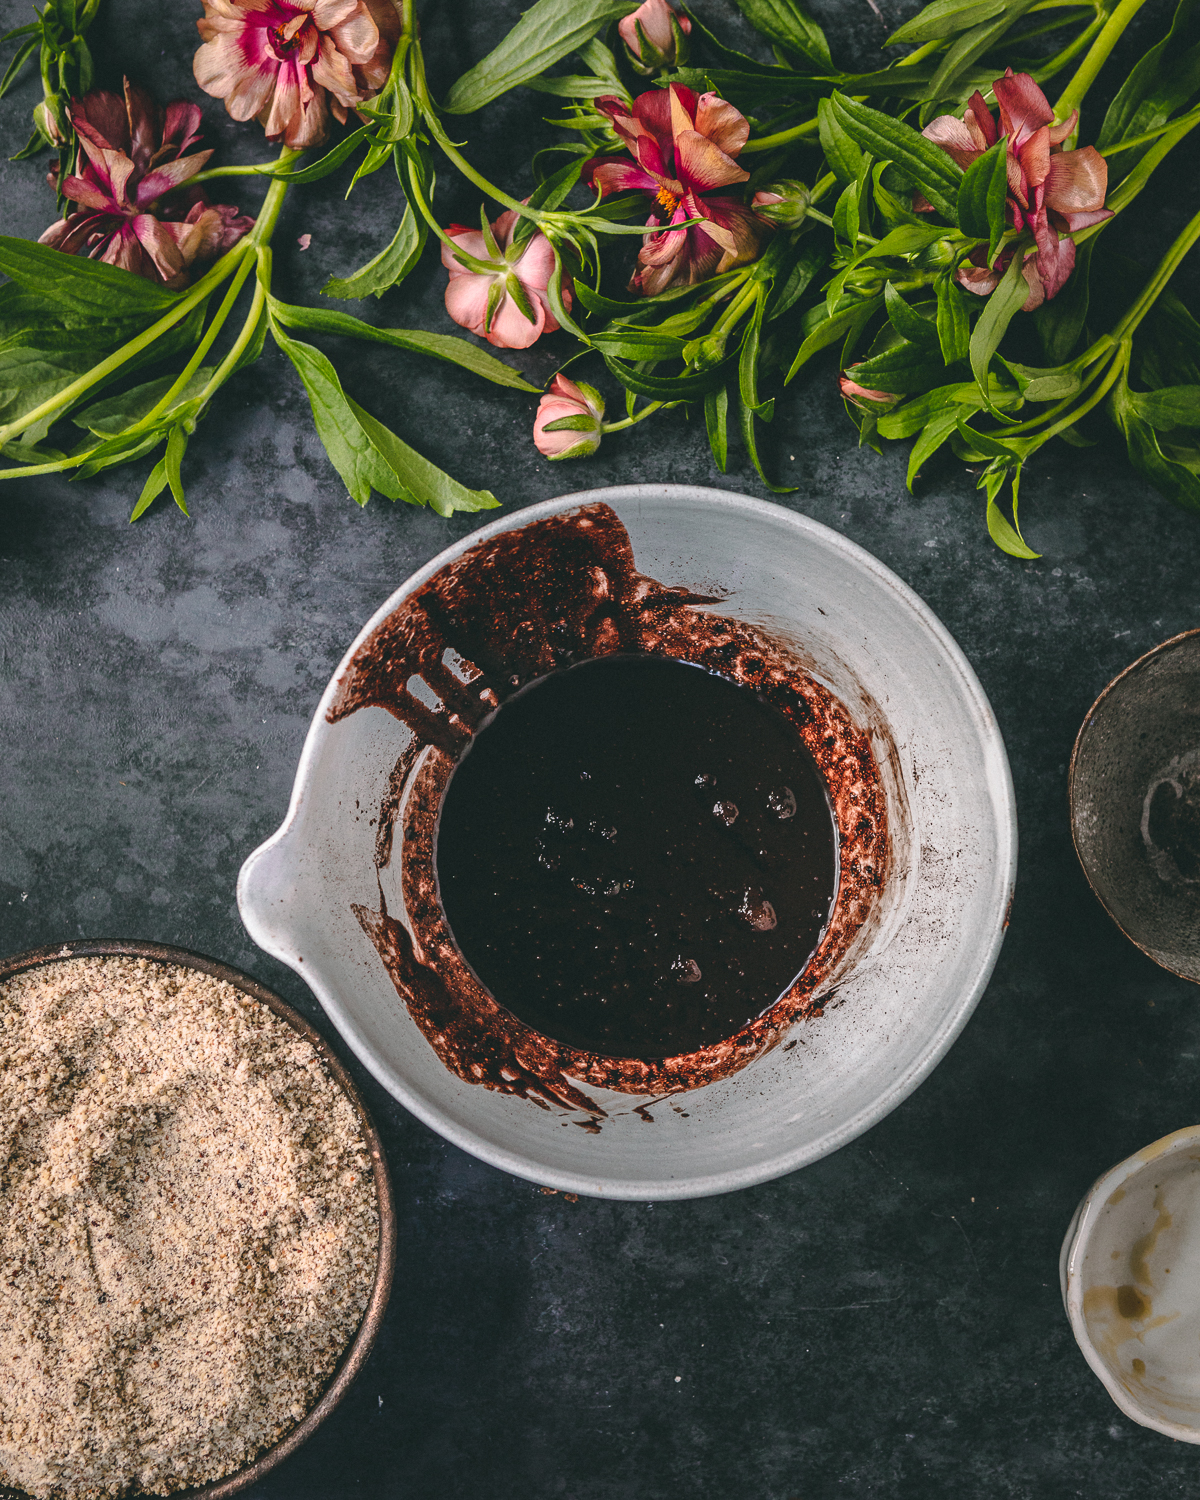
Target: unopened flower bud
568 422
865 399
705 353
782 203
655 37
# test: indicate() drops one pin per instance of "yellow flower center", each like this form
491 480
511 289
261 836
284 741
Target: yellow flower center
668 199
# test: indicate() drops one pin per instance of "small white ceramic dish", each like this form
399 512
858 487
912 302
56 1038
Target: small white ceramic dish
1130 1275
883 652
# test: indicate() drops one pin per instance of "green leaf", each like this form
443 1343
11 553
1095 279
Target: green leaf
749 405
790 286
842 154
936 431
951 80
327 163
981 198
998 312
22 55
665 387
388 267
112 452
1169 407
173 458
544 35
716 413
953 322
1164 78
114 414
1006 536
438 345
945 18
906 320
903 369
575 86
423 482
829 330
152 489
1055 384
635 344
788 24
845 216
937 176
76 284
905 239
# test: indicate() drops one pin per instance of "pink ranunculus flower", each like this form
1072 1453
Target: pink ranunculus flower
1050 191
488 303
684 147
135 156
292 63
654 37
582 406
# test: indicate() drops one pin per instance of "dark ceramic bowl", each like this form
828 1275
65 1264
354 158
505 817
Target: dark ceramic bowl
360 1347
1135 802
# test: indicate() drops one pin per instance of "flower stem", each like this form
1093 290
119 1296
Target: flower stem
1085 75
781 138
1152 135
1058 62
229 264
637 416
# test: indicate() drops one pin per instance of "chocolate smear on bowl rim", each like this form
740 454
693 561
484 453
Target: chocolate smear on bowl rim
506 612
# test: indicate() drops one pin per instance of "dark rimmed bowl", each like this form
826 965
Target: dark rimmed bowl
1135 802
360 1347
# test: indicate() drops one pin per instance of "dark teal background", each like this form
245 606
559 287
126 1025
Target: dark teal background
884 1323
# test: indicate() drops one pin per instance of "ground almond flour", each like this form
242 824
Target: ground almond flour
188 1228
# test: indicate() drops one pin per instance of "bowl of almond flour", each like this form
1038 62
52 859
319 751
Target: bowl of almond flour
196 1227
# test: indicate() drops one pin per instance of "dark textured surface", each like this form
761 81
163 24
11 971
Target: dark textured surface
886 1322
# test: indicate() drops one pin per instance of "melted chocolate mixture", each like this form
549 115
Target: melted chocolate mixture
512 609
636 856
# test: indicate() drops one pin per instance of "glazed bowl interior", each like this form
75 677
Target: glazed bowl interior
1131 1284
915 977
1135 802
355 1356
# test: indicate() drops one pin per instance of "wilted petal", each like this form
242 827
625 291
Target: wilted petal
978 279
536 266
330 13
954 138
79 190
1059 133
701 165
158 242
181 126
980 122
1037 291
1077 181
125 250
652 110
682 118
171 174
467 300
1023 107
470 241
284 112
145 124
1034 157
1071 222
358 36
332 71
101 117
614 174
727 128
653 159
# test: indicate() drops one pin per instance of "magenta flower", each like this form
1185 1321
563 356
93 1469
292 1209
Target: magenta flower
509 305
568 420
292 63
684 147
135 156
654 37
1050 191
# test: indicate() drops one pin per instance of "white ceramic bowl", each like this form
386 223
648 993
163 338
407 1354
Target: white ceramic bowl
910 990
1130 1274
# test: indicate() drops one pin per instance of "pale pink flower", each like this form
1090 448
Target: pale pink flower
582 406
488 302
654 36
684 146
135 156
1049 190
290 64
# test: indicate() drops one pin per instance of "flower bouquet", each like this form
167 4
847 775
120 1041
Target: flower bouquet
707 223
